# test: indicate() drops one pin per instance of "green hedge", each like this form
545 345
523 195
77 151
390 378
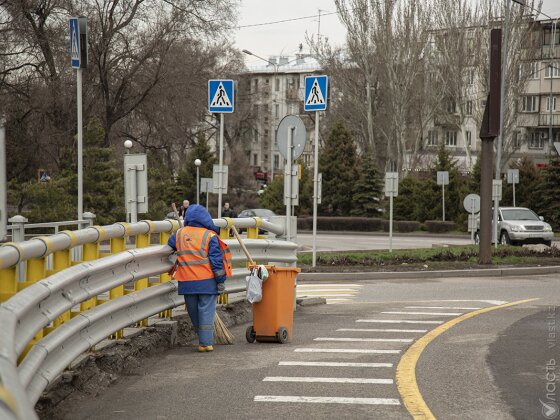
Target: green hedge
366 224
362 224
439 226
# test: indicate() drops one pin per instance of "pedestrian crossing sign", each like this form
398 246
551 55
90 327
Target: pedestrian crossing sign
316 90
75 43
221 96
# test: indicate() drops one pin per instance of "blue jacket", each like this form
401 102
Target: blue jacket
198 216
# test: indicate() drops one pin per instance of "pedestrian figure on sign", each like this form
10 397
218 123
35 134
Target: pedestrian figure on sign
220 101
315 96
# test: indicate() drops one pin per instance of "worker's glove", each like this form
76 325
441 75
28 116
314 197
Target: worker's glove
221 288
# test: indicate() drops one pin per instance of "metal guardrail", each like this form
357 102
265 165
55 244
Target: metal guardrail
26 314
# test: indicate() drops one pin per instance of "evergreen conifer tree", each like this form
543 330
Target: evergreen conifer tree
548 204
338 166
103 182
367 190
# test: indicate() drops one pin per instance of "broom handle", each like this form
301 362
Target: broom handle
243 247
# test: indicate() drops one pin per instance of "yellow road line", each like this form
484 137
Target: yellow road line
406 370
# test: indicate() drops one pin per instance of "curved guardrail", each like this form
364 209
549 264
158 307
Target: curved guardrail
24 317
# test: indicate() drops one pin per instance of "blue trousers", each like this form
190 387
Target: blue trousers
201 309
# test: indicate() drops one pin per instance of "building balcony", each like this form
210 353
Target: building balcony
544 120
528 120
447 120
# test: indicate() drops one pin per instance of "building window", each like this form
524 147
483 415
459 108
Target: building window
468 138
548 36
255 159
536 140
530 103
552 67
266 81
266 134
277 84
266 119
451 138
255 135
553 103
469 108
450 106
534 69
276 162
530 70
470 77
516 140
276 110
256 85
432 139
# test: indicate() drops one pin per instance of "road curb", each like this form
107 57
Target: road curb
404 275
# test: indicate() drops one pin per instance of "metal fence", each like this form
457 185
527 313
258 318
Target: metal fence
54 315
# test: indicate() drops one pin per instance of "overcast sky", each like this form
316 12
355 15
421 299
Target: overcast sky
285 38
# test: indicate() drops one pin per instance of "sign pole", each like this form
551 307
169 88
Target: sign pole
220 178
288 173
3 185
391 221
443 200
80 147
315 188
514 193
473 220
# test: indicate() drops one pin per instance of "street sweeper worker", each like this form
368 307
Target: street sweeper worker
203 263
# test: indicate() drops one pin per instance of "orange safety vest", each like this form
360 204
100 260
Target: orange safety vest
193 262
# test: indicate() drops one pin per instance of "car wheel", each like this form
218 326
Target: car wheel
477 238
504 238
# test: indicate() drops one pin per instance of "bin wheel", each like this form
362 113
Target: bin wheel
282 335
250 334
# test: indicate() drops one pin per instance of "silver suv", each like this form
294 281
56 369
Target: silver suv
519 225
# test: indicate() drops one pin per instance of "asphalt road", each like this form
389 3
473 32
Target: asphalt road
343 358
363 241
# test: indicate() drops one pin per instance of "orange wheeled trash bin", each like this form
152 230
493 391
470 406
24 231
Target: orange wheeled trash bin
273 316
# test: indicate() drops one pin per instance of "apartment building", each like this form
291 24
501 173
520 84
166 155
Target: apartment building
457 125
273 91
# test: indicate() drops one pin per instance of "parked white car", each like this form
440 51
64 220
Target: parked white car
520 225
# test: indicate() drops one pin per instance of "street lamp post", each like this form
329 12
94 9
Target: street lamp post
197 163
132 215
271 158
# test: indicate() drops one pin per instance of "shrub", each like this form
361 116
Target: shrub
439 226
406 226
365 224
360 224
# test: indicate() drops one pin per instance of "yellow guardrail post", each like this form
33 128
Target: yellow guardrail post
118 245
142 241
165 277
253 232
90 252
223 299
8 283
61 260
224 232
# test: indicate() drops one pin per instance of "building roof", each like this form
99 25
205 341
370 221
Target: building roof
301 63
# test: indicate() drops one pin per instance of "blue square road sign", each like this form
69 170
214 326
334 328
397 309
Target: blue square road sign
75 43
221 96
316 91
